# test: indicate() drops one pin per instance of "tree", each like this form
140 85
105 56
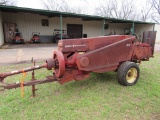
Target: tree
52 5
117 9
156 10
63 6
146 11
104 9
3 2
8 2
80 10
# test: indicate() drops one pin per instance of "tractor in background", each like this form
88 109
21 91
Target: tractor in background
35 37
17 38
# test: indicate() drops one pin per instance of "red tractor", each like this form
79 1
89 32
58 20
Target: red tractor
35 37
17 38
75 59
57 37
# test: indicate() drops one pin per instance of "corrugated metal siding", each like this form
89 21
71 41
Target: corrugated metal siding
28 23
140 28
118 27
157 28
91 28
1 31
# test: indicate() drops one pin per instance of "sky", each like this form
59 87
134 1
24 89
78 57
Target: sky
91 4
37 4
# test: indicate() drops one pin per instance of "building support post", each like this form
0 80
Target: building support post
133 28
153 27
103 27
61 24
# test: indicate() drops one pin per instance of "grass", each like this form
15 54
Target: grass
98 98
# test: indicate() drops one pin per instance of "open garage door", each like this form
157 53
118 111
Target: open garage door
74 30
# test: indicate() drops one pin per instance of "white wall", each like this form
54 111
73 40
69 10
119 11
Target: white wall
140 28
119 27
28 23
91 28
157 28
1 31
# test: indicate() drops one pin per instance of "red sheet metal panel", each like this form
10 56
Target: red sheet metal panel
89 44
149 37
107 56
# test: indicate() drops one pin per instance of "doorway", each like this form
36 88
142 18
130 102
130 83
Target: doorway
9 29
74 30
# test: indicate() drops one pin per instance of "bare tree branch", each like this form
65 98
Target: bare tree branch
52 4
3 2
63 6
156 7
8 2
104 9
115 8
146 11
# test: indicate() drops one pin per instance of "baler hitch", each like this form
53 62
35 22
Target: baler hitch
32 82
29 83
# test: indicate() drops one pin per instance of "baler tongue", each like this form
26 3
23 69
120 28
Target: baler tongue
32 82
29 83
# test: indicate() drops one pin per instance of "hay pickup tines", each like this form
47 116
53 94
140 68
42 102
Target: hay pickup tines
75 59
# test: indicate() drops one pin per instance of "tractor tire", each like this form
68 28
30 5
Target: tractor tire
57 41
22 41
128 73
13 42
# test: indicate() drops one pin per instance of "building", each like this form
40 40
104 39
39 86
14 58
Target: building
157 28
48 23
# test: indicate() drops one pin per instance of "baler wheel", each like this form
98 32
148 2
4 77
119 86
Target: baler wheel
128 73
59 67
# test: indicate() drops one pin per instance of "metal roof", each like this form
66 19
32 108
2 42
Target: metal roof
50 13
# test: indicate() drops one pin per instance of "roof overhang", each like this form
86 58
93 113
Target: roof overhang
49 13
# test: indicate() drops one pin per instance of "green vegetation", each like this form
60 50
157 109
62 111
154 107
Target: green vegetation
98 98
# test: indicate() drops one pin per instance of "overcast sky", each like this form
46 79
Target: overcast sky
88 4
38 3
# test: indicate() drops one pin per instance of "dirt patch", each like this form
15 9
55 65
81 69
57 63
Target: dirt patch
156 117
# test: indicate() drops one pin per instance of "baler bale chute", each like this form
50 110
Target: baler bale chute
75 59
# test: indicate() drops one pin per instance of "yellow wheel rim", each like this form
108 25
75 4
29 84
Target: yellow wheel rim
131 75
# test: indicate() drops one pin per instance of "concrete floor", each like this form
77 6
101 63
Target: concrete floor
157 47
11 54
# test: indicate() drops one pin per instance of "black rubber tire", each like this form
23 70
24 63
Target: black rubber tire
123 70
57 41
22 41
13 41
